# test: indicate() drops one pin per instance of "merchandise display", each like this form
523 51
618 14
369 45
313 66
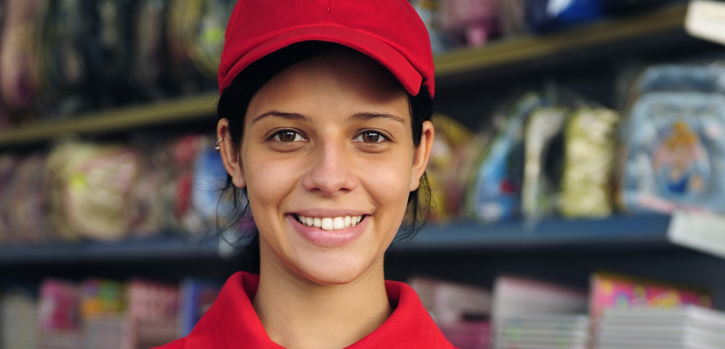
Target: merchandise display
450 154
610 291
83 190
587 184
18 320
530 192
543 331
460 311
494 191
675 153
686 327
550 156
101 314
543 143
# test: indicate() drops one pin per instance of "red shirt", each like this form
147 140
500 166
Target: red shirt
231 322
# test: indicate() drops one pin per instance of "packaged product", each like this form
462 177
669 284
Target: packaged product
674 153
195 298
26 199
20 60
92 190
472 22
152 313
58 318
8 163
103 317
544 143
590 150
18 320
610 290
110 51
494 193
210 206
65 67
546 15
447 154
178 184
150 55
429 12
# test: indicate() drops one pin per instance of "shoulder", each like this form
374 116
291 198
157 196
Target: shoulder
177 344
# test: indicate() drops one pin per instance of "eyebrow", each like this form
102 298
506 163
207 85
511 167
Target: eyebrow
355 117
279 114
370 116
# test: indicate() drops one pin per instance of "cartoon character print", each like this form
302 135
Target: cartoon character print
681 162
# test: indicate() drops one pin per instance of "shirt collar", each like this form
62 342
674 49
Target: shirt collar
232 321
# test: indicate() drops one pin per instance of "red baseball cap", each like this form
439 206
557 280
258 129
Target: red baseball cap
389 31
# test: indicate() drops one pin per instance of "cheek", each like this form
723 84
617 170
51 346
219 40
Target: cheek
387 181
269 183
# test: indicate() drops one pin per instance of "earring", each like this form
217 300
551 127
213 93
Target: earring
217 147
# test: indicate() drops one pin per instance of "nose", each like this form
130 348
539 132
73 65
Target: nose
331 172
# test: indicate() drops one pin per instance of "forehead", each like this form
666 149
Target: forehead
338 79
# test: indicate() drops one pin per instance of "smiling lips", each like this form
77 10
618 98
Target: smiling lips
330 223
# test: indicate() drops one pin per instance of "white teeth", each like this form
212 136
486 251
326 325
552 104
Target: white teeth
327 224
338 223
330 223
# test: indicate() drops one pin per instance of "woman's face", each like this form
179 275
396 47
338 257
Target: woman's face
328 161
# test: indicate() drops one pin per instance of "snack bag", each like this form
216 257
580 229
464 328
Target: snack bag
91 190
544 143
445 162
473 22
58 321
674 153
494 193
26 199
150 55
20 52
8 164
65 68
590 151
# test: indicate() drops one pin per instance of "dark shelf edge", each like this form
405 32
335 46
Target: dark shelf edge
618 232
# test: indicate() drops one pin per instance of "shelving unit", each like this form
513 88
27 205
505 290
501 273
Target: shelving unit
468 81
461 63
534 47
615 233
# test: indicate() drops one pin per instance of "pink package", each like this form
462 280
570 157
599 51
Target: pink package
615 291
473 20
58 305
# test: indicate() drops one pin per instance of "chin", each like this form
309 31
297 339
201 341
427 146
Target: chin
333 272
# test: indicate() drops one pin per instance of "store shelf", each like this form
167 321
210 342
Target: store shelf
533 47
620 232
157 248
459 62
183 109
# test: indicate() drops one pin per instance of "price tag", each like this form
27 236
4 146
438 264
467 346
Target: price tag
700 231
706 20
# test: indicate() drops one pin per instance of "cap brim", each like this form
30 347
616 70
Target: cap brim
361 41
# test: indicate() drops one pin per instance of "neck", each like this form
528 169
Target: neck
299 314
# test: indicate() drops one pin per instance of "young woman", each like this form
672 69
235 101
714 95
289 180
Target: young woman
324 129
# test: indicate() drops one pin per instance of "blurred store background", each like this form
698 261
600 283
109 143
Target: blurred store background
578 173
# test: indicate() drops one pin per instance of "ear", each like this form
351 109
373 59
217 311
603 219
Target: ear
230 154
422 154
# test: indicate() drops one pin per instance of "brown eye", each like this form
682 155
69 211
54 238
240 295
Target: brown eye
288 136
370 137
